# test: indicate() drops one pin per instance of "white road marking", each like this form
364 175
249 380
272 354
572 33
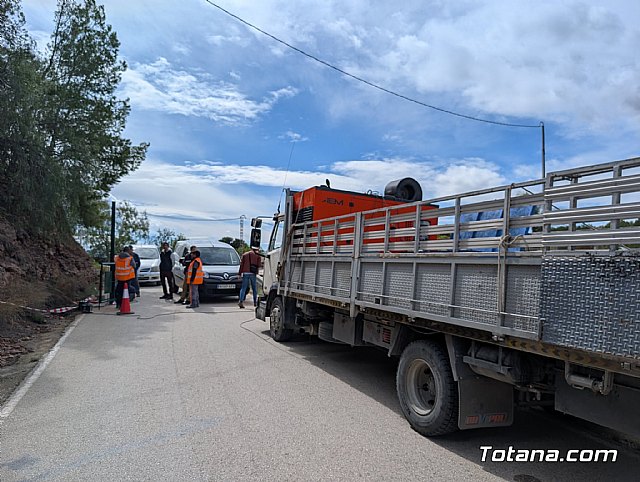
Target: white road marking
23 388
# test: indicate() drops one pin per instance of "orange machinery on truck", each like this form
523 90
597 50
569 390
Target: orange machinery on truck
324 204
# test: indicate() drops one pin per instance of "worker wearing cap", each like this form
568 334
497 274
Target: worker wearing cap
125 272
195 277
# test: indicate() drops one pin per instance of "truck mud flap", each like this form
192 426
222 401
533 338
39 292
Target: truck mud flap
484 403
261 310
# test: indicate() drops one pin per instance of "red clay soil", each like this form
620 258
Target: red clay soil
40 273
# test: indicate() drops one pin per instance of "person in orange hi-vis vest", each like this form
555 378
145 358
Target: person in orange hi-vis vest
125 272
186 261
195 277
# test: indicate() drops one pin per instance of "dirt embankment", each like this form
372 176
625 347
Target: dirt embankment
36 272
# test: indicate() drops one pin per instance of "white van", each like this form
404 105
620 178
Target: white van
149 271
220 263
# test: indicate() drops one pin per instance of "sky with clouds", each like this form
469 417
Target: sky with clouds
233 116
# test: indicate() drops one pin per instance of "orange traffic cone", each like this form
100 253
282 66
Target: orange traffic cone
125 305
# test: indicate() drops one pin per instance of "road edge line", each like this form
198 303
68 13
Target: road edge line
24 386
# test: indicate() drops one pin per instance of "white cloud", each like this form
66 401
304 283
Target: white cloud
391 137
465 176
182 49
157 86
188 197
293 137
284 93
437 179
176 196
261 175
219 40
572 63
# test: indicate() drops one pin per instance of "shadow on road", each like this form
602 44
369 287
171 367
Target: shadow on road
373 373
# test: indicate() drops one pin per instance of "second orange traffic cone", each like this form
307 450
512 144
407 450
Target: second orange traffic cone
125 305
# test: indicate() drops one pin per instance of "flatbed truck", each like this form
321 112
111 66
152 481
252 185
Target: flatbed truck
523 294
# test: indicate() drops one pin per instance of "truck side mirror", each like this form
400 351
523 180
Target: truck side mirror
256 237
256 223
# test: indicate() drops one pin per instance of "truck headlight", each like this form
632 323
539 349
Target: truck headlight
155 269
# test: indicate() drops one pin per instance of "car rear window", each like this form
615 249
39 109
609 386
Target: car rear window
147 253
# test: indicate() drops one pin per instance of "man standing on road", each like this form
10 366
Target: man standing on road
125 272
134 282
195 277
184 296
166 264
249 267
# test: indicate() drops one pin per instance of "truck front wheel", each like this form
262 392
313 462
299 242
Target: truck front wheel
277 326
426 389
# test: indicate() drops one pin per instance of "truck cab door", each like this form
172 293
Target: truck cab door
273 255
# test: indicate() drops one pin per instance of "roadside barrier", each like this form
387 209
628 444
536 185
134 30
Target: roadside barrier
81 305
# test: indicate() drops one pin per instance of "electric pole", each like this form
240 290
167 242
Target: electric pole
242 218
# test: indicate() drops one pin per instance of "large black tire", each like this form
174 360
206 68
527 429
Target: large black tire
276 322
426 389
407 190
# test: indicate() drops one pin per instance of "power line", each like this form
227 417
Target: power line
360 79
191 218
286 174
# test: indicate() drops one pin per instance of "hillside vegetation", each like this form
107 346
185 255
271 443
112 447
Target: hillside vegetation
61 152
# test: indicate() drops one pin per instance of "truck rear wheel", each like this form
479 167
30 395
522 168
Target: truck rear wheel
426 389
277 327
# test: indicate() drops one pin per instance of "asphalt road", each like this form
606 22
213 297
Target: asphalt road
168 394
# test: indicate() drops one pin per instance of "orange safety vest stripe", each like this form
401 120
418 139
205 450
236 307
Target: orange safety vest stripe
124 270
199 279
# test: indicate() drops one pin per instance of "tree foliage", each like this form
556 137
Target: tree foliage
26 176
239 244
131 227
61 144
166 235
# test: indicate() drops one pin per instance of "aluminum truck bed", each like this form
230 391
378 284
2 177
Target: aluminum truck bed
556 261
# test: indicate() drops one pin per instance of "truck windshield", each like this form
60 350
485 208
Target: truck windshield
219 256
276 236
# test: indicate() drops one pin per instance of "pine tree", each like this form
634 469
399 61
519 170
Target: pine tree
61 144
27 179
84 118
